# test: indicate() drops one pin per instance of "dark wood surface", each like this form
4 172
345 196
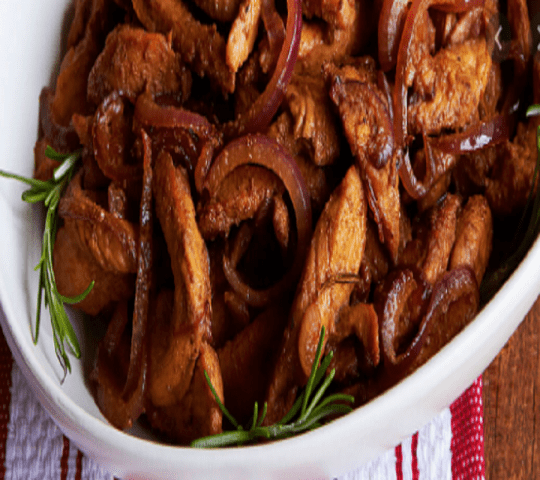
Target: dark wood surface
512 405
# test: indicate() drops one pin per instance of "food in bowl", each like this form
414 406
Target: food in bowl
230 204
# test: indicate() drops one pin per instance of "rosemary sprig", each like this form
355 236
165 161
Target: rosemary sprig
309 409
491 284
49 192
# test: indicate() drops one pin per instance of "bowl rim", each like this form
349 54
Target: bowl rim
412 389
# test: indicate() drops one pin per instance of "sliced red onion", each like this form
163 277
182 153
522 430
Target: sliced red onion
263 110
144 275
391 22
403 287
257 149
149 113
111 133
457 6
414 187
478 136
401 90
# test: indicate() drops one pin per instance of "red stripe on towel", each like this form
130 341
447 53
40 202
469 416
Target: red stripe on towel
399 463
468 434
414 462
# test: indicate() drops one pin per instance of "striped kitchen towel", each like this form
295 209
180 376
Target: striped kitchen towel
32 447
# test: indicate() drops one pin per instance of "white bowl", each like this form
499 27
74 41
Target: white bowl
30 46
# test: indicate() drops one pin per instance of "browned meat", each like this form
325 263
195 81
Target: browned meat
510 181
111 240
197 414
375 264
243 33
336 249
466 27
201 46
441 237
219 10
75 268
314 120
346 30
246 362
98 18
239 197
133 61
448 87
474 235
366 122
317 182
172 371
361 321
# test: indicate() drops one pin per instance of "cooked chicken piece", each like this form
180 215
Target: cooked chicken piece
201 46
239 197
246 362
336 250
86 39
474 235
510 181
172 373
317 181
366 122
135 60
75 268
112 241
375 264
314 120
448 87
243 34
197 414
360 320
441 237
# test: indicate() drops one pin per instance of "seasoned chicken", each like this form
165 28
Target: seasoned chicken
336 250
171 375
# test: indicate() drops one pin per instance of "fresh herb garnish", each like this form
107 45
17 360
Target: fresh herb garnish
49 192
306 414
500 275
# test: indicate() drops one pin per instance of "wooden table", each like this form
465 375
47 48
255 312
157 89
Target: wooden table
512 405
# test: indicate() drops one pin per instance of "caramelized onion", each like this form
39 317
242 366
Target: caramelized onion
414 187
457 285
275 32
391 23
149 113
262 111
111 138
402 287
264 151
457 6
478 136
107 377
144 274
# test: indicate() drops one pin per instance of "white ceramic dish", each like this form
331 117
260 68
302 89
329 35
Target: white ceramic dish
30 44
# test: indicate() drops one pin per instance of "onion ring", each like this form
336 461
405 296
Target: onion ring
260 150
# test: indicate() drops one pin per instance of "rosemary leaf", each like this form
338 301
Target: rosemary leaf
50 192
310 409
